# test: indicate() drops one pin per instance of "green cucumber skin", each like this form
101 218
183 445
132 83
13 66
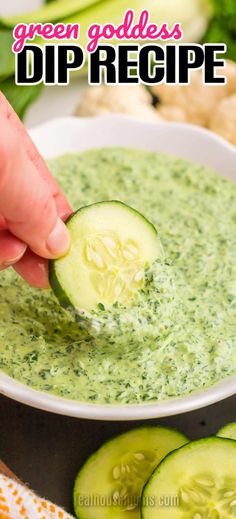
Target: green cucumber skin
189 446
53 279
104 445
48 13
58 290
226 430
96 204
61 295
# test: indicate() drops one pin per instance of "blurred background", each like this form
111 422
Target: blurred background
202 21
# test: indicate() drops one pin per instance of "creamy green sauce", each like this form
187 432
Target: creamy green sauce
179 335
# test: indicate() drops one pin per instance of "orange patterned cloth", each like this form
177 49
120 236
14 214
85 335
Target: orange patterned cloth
18 502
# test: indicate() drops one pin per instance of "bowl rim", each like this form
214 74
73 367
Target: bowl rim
80 121
112 412
60 405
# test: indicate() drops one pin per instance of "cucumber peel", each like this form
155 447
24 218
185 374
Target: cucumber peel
109 484
111 246
197 481
54 11
228 431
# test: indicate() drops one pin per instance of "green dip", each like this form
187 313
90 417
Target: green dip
180 333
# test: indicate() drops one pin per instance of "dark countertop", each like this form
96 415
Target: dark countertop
46 450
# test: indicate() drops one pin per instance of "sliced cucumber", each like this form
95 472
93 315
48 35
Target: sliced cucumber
109 485
228 431
111 246
52 12
197 481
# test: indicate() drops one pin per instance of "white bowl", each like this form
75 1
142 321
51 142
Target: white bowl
73 134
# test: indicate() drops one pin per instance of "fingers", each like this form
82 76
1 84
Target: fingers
11 249
2 222
64 210
26 202
63 207
33 269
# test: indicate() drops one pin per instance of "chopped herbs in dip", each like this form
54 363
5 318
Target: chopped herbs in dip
179 333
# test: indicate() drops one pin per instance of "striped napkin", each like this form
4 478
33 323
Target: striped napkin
19 502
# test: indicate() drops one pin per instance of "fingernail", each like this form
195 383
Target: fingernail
58 241
12 261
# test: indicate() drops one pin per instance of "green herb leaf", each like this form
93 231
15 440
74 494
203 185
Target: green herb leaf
20 97
7 59
225 12
217 33
223 26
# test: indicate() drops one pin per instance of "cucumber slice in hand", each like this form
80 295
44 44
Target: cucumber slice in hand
111 245
109 485
197 481
228 431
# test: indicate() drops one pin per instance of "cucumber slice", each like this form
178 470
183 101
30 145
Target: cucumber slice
197 481
52 12
228 431
112 245
109 485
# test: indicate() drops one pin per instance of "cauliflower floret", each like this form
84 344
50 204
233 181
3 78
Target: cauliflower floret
196 100
130 100
223 120
172 113
196 103
144 112
230 72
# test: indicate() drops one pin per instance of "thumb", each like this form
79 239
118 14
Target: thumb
26 201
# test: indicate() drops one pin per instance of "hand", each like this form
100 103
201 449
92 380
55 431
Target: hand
32 205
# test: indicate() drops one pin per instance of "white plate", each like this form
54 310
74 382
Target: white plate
73 134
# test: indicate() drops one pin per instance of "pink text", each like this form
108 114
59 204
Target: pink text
48 31
128 30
